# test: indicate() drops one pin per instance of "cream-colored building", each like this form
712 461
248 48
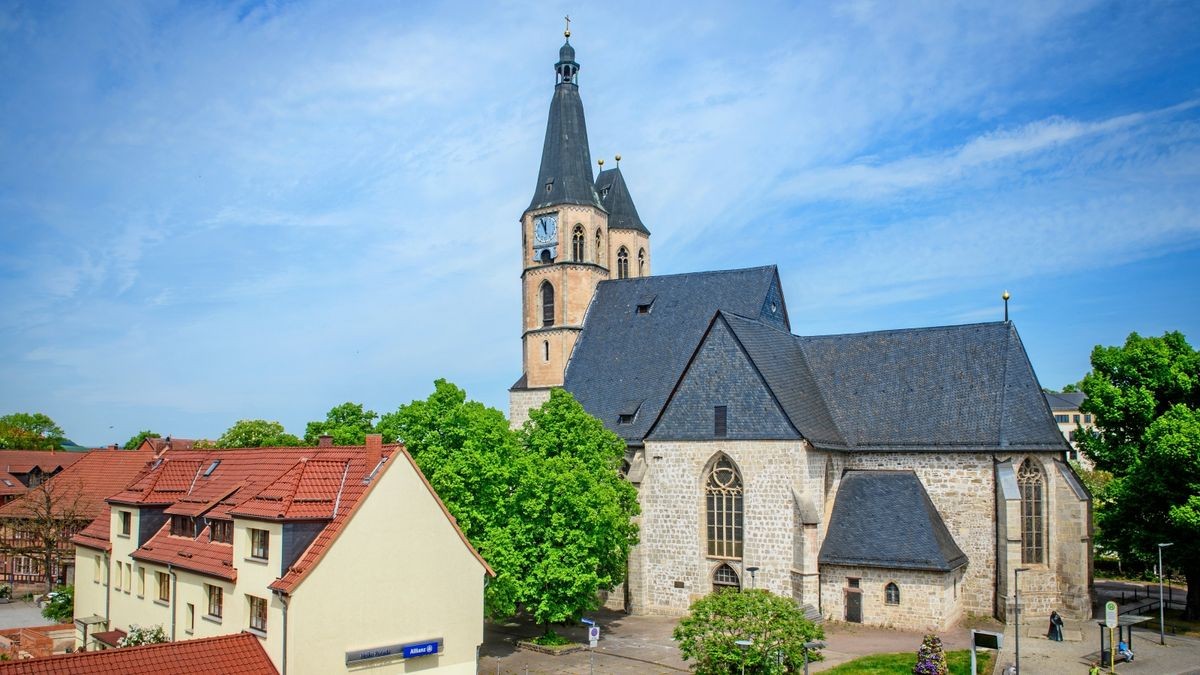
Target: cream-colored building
338 559
1070 420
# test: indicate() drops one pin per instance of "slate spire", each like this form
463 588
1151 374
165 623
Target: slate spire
566 173
615 198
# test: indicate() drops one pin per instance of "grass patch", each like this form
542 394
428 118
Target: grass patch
550 639
903 663
1174 619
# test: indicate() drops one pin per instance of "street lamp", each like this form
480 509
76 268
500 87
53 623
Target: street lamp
808 646
745 645
1162 640
751 570
1017 611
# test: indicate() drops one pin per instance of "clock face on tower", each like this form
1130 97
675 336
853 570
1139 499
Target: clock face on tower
545 229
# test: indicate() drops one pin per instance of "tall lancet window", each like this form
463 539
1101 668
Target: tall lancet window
723 497
577 244
1033 509
601 258
642 263
622 263
547 304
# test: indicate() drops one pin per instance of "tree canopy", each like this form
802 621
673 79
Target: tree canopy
774 625
29 431
254 434
348 424
137 439
1145 399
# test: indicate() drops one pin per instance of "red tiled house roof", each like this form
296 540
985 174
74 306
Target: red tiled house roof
238 654
23 461
10 485
158 445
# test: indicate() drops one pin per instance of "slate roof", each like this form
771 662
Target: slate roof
623 357
886 519
615 198
1068 400
237 654
566 158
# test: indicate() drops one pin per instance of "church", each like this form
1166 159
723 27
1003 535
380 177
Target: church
895 478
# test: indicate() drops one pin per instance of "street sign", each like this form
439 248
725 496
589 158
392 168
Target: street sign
1110 614
593 635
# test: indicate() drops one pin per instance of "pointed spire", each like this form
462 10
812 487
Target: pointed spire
565 176
615 198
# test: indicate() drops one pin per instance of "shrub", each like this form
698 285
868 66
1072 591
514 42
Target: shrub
931 659
775 627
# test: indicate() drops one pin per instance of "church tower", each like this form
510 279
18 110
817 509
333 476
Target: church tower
576 232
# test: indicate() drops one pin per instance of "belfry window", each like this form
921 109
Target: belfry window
547 304
1033 523
599 252
723 501
622 263
577 244
642 263
725 578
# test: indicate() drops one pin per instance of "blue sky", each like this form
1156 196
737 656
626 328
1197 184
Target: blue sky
216 211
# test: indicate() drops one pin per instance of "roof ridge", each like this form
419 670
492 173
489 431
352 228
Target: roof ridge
655 277
911 329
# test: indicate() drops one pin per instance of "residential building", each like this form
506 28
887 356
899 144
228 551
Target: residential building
23 469
334 558
895 478
1070 419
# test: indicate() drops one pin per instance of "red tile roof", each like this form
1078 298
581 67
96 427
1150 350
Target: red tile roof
85 484
198 555
109 637
11 485
23 461
159 444
239 654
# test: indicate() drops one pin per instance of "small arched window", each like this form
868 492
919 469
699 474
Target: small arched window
1033 522
723 502
545 350
622 263
577 244
600 259
547 304
642 263
725 578
891 593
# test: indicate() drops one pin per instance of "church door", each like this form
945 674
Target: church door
854 605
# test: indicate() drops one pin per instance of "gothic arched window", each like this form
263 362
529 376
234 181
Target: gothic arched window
600 260
723 499
622 263
1033 509
891 593
547 304
725 578
577 244
642 263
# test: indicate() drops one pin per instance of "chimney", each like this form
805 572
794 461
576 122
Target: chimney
115 446
374 451
325 441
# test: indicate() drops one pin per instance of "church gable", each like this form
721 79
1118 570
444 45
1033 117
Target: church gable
722 395
774 310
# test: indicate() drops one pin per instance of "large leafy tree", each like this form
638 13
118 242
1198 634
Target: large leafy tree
255 434
29 431
775 627
348 424
1145 399
137 439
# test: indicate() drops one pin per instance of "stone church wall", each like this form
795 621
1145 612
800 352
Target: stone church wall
928 600
521 401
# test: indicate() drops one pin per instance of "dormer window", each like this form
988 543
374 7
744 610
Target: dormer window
645 304
628 412
221 531
183 526
549 185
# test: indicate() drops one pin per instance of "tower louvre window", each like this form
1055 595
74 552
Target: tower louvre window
642 263
577 244
547 304
622 263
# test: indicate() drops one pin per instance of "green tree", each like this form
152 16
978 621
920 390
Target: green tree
29 431
137 635
775 627
137 439
347 423
256 434
1145 398
61 607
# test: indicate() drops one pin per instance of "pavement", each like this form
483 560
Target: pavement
18 614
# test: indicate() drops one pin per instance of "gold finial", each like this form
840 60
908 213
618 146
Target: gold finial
600 162
567 30
1006 295
618 158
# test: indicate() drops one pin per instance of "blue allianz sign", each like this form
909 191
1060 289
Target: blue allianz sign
410 650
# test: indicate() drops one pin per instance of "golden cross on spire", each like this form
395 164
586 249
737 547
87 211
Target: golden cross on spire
567 30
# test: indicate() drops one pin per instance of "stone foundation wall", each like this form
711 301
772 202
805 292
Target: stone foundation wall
928 600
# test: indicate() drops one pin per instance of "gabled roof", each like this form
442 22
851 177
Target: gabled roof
23 461
566 159
615 198
237 654
83 486
886 519
1067 400
11 485
623 355
168 443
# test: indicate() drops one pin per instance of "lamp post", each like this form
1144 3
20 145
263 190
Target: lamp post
745 645
1162 640
808 646
751 570
1017 612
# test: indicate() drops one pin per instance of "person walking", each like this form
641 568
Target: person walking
1056 623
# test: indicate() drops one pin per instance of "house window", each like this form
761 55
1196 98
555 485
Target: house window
622 263
642 263
1087 419
126 523
216 597
258 613
725 578
1062 419
141 582
183 526
547 304
259 543
190 617
723 496
164 586
221 531
720 418
1076 417
577 244
1033 528
891 594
